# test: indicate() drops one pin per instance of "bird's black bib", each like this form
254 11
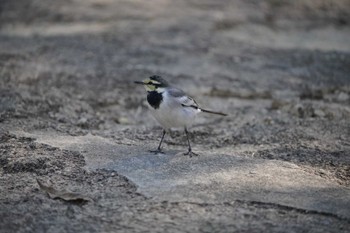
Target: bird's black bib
154 99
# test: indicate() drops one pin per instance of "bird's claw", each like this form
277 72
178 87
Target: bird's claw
190 153
158 151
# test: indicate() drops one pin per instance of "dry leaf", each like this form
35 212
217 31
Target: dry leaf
62 194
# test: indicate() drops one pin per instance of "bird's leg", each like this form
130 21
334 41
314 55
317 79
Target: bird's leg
159 150
189 152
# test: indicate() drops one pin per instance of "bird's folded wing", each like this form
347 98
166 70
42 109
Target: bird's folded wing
183 99
188 102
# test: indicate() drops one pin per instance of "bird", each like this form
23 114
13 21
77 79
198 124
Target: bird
172 108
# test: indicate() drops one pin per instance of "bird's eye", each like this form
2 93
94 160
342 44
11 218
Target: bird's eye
150 83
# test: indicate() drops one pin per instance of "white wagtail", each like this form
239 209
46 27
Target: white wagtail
171 107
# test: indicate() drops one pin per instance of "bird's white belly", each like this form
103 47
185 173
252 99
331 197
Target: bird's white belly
173 115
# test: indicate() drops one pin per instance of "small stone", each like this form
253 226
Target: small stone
319 113
342 97
123 120
82 120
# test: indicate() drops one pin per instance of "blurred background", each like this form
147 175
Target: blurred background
73 61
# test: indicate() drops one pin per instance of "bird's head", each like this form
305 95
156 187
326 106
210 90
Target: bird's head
154 83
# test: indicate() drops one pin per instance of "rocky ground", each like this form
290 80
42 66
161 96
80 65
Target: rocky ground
72 118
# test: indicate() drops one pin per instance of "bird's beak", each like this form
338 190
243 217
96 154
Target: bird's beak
139 82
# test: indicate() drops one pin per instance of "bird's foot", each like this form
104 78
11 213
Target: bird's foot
158 151
190 153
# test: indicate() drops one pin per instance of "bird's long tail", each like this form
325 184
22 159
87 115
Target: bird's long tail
204 110
212 112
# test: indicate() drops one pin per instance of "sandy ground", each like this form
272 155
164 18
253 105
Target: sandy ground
280 69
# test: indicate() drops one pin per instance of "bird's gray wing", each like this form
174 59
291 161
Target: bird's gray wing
174 92
188 102
182 98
